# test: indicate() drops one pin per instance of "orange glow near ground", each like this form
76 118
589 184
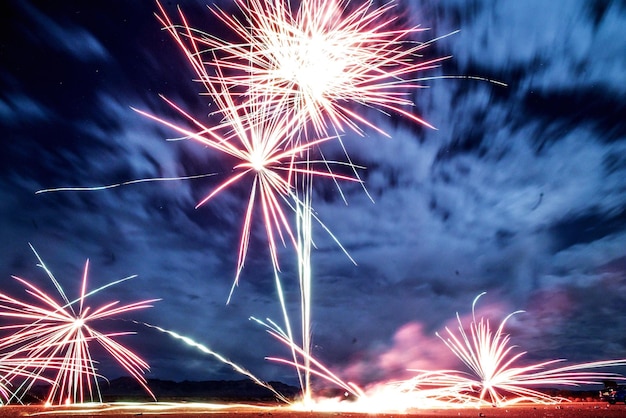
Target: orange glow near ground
570 410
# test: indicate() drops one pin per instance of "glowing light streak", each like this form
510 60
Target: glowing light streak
125 183
52 336
10 370
221 358
156 407
309 363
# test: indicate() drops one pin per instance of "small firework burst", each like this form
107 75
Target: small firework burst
51 336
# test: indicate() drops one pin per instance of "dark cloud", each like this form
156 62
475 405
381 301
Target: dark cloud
62 35
596 108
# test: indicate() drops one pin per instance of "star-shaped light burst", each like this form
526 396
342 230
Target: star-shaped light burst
320 59
263 137
496 377
50 337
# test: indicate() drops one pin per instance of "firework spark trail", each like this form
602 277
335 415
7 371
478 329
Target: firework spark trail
266 155
125 183
10 370
221 358
265 151
491 359
308 363
52 336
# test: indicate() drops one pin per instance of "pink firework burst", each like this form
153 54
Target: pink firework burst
319 59
263 138
496 377
291 68
48 336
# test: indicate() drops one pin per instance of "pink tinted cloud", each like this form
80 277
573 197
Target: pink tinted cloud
410 348
413 347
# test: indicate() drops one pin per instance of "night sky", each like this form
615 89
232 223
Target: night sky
520 192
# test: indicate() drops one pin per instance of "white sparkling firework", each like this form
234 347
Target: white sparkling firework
321 59
496 374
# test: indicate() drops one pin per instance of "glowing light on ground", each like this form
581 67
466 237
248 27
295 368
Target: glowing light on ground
155 407
49 336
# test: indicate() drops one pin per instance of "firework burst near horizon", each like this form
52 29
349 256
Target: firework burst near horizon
52 338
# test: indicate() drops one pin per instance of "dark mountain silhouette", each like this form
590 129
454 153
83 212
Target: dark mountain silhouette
127 389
